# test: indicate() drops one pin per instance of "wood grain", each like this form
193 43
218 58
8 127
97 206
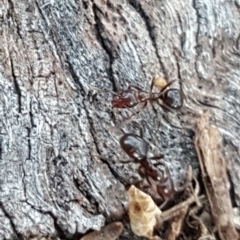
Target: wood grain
52 124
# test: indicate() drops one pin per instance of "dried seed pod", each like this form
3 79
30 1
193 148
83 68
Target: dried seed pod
109 232
142 213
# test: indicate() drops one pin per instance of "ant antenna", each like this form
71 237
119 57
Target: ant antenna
101 90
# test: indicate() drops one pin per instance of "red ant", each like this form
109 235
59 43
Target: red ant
133 95
168 98
136 147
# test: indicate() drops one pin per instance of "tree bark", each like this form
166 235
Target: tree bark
53 124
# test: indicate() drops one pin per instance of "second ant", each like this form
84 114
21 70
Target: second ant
136 147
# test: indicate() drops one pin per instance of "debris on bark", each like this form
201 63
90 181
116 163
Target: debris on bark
142 213
53 125
208 144
108 232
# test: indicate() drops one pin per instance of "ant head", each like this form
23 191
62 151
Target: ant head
172 98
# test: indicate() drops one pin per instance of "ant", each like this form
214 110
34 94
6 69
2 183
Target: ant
133 95
168 98
136 147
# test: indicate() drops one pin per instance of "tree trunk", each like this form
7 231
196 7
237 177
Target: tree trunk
54 124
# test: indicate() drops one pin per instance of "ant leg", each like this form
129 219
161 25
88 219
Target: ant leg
165 118
101 90
136 87
126 161
158 157
158 163
153 84
165 202
134 114
142 186
151 87
166 109
142 172
162 91
140 128
174 126
164 88
161 162
113 161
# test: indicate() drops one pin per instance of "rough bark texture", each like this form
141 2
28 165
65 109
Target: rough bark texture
52 124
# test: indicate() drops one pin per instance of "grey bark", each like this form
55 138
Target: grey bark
53 124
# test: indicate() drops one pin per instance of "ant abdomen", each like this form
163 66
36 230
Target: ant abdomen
135 146
172 98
